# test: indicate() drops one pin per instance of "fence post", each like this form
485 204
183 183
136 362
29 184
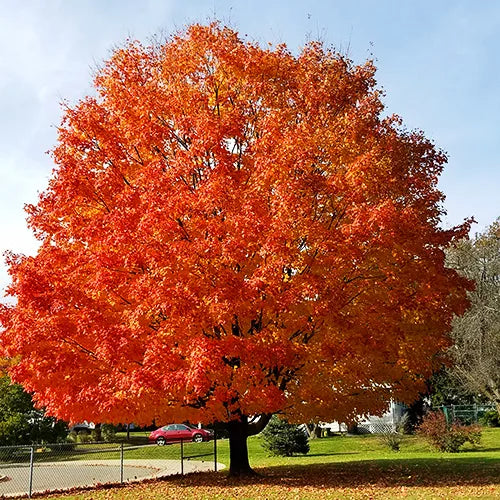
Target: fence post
215 449
32 459
121 463
446 416
182 456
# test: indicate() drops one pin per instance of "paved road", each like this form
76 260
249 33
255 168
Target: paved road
14 478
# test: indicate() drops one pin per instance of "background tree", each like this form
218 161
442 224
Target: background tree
230 232
476 335
445 389
21 423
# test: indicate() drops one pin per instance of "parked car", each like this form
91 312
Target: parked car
179 432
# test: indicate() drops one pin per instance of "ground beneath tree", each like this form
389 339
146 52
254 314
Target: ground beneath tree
420 479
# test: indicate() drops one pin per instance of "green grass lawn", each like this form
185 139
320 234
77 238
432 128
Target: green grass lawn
336 467
325 450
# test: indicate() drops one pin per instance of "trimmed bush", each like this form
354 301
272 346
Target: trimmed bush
108 432
284 439
490 419
444 437
83 437
80 437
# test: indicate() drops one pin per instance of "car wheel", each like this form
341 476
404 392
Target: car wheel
161 441
197 438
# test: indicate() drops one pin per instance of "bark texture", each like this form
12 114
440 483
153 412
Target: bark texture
239 430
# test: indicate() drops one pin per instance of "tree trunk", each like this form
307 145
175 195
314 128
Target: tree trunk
313 430
98 432
238 449
239 430
352 428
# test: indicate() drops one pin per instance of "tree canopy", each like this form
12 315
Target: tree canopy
231 231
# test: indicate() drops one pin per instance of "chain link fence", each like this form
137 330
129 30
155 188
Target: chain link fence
466 414
25 470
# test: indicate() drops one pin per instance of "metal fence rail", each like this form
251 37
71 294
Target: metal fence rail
25 470
467 414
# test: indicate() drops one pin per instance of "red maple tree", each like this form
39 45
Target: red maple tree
232 232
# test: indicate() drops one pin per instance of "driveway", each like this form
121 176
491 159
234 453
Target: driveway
14 478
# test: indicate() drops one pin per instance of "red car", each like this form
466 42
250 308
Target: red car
179 432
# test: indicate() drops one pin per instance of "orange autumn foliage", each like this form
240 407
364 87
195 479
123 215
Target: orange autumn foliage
232 230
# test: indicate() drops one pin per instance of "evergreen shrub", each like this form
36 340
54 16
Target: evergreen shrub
284 439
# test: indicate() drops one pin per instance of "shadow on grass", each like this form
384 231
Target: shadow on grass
474 450
432 472
333 454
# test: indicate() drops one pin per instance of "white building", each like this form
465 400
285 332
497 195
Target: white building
372 424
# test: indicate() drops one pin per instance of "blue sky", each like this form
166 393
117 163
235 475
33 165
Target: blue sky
438 62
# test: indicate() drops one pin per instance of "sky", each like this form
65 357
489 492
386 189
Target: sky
438 63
